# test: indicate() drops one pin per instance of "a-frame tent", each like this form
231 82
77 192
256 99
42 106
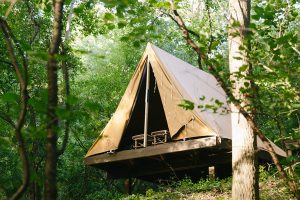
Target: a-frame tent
170 81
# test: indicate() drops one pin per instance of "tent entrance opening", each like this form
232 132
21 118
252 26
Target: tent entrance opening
157 129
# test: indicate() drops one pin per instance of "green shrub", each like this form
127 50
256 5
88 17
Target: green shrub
271 187
203 185
263 174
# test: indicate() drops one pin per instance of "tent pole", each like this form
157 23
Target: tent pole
147 103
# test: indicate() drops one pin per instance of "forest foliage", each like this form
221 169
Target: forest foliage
107 38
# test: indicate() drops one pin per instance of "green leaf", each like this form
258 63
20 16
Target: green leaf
242 48
122 24
38 105
258 10
219 103
256 17
124 39
100 56
39 55
246 84
243 68
109 17
62 113
215 44
238 58
200 106
236 24
110 26
67 2
186 104
10 97
4 142
294 14
202 98
72 99
91 105
136 44
78 10
162 4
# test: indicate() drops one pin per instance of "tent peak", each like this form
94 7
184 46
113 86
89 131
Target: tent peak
150 47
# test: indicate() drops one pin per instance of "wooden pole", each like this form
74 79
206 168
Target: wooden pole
147 103
128 186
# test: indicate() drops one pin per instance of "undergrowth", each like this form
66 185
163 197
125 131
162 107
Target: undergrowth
270 186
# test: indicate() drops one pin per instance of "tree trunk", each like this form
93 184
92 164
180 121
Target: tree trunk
50 190
245 181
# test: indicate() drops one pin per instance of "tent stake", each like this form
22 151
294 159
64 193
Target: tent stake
147 103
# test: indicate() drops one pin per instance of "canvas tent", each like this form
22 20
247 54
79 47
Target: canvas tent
171 80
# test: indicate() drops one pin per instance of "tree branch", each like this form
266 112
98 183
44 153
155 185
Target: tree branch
22 78
173 19
210 27
8 38
22 54
81 144
32 15
12 3
186 35
296 50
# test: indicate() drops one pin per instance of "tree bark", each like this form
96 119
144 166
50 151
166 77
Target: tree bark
244 146
22 78
66 78
50 188
35 187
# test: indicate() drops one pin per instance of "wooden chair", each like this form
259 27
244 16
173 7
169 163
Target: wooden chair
139 140
160 137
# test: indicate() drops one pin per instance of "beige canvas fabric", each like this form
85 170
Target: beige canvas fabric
182 123
194 84
110 137
176 80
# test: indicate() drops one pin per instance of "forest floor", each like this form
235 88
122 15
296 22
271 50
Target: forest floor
271 187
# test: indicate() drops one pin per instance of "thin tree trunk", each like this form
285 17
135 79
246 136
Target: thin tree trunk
66 78
50 190
22 78
35 189
69 21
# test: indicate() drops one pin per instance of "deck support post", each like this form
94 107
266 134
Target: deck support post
147 103
212 172
128 186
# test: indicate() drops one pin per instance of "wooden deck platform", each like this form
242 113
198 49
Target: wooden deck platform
178 158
